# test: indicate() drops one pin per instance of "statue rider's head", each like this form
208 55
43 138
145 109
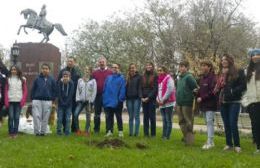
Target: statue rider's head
43 6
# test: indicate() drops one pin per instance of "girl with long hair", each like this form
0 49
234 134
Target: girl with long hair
251 98
231 84
149 92
166 99
15 98
133 99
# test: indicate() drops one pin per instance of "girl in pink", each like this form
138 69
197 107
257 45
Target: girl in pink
15 98
166 99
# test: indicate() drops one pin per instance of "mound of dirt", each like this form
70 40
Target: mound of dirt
112 143
141 146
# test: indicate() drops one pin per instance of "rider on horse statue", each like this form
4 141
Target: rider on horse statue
42 17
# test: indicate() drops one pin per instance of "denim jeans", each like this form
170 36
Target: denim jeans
209 118
98 104
110 113
79 108
149 118
133 108
73 108
167 114
14 115
64 112
230 113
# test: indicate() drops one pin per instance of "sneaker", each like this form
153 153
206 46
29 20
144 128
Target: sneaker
208 146
109 134
121 134
14 136
87 134
257 152
226 148
237 149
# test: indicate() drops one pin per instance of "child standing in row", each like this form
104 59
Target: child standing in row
231 84
166 99
85 95
113 98
133 99
43 95
149 92
15 98
251 98
207 100
65 99
186 87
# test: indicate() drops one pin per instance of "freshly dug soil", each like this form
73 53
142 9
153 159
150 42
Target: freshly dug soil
112 143
141 146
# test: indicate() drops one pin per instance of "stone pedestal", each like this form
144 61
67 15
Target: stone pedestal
33 55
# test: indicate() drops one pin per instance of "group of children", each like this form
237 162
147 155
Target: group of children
108 89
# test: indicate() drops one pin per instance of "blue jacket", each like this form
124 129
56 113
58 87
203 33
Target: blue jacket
65 93
44 89
114 90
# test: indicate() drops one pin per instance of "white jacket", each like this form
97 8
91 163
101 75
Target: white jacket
86 90
252 94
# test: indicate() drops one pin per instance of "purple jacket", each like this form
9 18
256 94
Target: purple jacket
209 100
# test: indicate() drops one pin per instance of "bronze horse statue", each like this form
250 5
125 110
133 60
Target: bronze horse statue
35 22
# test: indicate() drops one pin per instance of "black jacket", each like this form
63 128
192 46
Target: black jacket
65 93
134 87
149 88
233 90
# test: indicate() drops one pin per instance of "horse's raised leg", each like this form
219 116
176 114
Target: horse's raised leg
19 29
25 30
45 38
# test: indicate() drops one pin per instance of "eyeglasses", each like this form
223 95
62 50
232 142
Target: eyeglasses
159 70
115 67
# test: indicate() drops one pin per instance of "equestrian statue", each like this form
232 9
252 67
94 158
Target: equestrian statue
40 23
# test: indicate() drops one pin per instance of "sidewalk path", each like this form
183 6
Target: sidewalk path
200 128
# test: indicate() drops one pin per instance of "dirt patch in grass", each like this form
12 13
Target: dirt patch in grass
141 145
112 143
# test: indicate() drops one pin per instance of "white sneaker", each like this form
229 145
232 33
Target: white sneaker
121 134
237 149
109 134
257 152
226 148
208 146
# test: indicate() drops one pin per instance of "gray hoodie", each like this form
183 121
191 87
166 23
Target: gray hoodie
86 90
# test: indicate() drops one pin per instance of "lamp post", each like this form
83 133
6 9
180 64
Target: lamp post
15 51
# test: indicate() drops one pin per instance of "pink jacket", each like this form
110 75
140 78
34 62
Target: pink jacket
163 89
23 100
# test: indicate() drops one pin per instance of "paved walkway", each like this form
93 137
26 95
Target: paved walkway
200 128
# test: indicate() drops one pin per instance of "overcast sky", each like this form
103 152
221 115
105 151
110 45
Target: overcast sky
72 13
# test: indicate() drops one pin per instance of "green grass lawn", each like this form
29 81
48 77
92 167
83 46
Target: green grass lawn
80 152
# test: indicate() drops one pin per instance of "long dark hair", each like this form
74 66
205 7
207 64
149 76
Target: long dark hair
251 68
232 69
19 72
